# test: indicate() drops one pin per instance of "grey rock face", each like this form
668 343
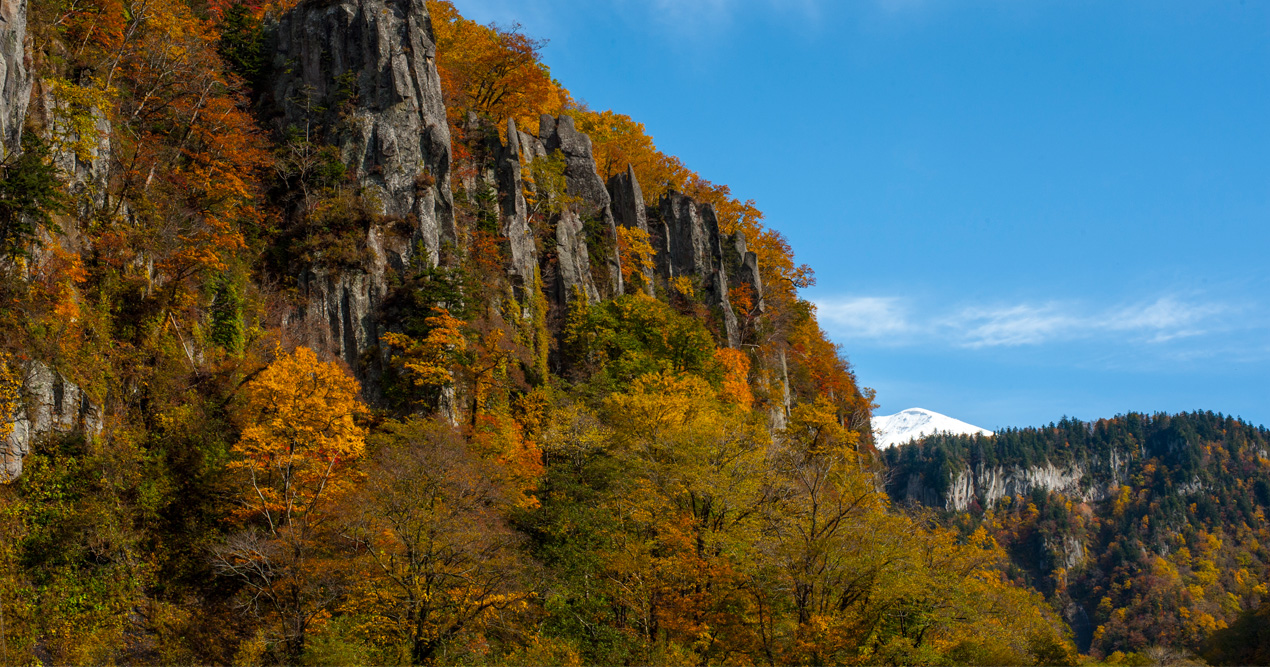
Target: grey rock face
530 146
15 75
50 404
87 173
584 183
629 210
338 316
743 268
338 313
779 415
372 64
690 245
514 213
685 243
988 485
572 261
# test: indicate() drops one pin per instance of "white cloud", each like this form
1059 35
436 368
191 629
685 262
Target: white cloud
1169 318
864 317
1012 325
898 321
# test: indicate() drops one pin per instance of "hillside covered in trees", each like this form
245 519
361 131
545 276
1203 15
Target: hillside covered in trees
1147 531
337 332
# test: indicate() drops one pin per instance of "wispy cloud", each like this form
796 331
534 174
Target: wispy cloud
897 321
866 316
1021 324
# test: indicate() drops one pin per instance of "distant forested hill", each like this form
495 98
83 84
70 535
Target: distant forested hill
1146 530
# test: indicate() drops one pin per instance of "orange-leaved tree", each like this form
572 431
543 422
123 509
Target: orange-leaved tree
635 248
440 558
299 436
490 70
428 360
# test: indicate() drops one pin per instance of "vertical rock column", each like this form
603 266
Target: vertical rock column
690 245
629 210
514 214
593 203
15 75
743 268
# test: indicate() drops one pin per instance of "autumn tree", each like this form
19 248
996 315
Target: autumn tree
692 508
492 71
441 558
299 438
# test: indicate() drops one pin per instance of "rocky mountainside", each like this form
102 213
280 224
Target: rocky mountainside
337 332
360 77
955 471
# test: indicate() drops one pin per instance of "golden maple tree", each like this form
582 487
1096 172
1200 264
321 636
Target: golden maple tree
300 435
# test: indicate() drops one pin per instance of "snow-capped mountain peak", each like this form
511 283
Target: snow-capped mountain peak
913 423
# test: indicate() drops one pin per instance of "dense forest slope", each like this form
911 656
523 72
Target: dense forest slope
1147 530
337 332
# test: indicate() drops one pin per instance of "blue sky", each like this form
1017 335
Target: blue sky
1016 209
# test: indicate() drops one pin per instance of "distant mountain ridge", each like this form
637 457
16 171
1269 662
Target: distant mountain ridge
1144 530
917 423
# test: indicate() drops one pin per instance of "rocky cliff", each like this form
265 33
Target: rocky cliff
986 485
958 472
15 75
361 75
47 402
50 404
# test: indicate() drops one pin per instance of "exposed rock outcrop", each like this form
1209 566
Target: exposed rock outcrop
50 404
743 268
372 65
593 204
986 485
629 210
15 75
87 170
514 213
688 244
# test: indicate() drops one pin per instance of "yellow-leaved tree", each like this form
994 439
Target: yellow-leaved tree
428 360
689 503
299 436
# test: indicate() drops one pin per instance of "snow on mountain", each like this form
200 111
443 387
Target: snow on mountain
914 423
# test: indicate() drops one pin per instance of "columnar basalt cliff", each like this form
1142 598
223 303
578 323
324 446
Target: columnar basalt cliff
576 256
361 75
684 233
689 245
